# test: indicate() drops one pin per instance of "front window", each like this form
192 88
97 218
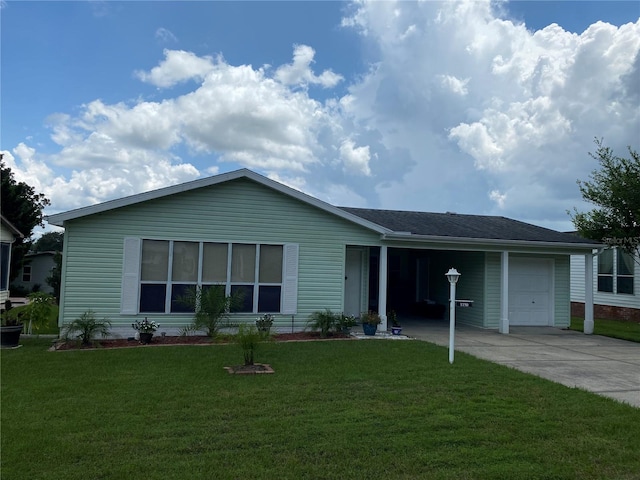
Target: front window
615 271
5 250
624 277
171 268
26 273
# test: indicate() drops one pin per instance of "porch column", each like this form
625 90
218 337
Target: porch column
504 293
382 288
588 293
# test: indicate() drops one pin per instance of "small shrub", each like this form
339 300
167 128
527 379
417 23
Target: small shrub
324 321
249 337
265 322
86 327
344 323
38 310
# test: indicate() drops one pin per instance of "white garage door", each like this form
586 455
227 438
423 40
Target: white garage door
530 291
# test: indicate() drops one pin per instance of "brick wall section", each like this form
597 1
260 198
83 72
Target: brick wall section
607 312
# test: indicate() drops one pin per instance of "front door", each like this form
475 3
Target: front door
353 281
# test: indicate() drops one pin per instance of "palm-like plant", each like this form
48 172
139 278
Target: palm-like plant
212 306
86 327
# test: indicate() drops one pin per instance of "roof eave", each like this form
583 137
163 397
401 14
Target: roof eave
578 247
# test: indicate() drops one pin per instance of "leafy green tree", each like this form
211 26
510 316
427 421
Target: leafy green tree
49 242
23 207
54 280
615 190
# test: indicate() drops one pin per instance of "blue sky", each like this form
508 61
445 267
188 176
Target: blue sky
476 107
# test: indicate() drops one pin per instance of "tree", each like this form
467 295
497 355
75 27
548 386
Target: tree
615 189
49 242
23 207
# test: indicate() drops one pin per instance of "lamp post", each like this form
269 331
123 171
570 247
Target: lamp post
453 276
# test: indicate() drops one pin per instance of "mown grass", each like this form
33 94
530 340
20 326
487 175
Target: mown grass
332 410
610 328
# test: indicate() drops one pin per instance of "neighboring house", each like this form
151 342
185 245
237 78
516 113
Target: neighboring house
292 254
8 235
616 285
36 268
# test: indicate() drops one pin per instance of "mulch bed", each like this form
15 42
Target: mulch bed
190 340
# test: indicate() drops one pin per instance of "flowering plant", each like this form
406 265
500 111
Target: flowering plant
264 323
145 326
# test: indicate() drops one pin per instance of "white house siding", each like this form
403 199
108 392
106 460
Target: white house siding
602 298
235 211
6 236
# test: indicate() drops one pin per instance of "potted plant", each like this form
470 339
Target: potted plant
396 328
345 323
145 329
11 327
370 321
264 323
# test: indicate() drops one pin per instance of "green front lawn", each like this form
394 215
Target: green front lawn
333 410
610 328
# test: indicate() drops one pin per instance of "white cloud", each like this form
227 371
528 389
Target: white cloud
178 66
460 110
300 73
165 36
355 159
482 102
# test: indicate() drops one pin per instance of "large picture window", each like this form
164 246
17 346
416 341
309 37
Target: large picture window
170 268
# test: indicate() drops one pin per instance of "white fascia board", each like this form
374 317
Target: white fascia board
496 244
59 218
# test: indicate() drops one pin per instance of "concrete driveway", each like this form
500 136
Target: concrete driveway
601 365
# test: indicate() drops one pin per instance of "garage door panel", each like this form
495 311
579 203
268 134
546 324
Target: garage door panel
530 292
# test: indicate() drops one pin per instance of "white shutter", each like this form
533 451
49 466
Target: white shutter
290 279
130 276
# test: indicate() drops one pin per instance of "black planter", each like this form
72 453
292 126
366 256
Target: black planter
369 329
145 338
10 336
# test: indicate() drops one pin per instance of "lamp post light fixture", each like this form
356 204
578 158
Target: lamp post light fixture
453 276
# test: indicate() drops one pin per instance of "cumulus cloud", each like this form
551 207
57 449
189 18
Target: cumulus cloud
299 71
460 109
355 159
178 66
482 103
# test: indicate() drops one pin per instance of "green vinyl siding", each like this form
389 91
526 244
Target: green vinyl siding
492 292
236 211
562 290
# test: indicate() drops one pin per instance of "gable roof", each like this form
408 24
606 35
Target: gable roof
59 218
10 226
462 226
390 224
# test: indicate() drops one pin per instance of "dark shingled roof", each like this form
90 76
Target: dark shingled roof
462 226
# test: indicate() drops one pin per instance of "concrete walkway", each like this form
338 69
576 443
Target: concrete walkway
601 365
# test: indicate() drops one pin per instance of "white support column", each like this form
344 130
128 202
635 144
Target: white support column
382 288
588 293
504 293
